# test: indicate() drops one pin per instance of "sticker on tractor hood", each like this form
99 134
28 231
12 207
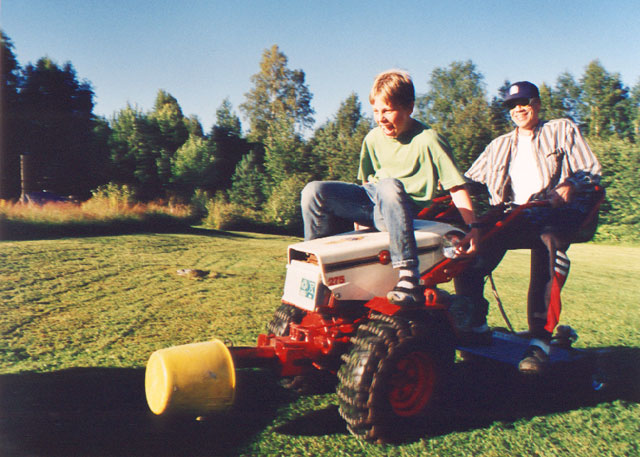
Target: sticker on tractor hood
307 288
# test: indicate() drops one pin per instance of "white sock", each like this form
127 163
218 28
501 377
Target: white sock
541 344
408 272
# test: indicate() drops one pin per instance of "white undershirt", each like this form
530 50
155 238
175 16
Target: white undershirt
525 176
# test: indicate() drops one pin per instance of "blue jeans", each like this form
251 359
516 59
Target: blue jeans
384 205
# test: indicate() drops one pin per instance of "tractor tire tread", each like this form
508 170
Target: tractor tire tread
363 380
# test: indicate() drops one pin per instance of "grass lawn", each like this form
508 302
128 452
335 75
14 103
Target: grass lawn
81 316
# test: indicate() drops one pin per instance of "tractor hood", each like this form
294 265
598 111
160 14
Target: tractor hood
356 265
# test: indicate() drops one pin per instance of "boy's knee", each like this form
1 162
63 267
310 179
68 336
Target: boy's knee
391 189
310 191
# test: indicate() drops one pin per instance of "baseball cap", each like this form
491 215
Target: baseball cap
521 89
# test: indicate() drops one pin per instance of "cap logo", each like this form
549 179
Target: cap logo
514 90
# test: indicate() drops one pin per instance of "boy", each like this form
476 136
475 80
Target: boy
402 163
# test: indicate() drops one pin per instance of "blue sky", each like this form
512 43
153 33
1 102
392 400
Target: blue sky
203 51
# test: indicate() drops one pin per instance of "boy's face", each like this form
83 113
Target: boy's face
393 119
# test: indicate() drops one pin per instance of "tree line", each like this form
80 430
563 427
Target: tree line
163 153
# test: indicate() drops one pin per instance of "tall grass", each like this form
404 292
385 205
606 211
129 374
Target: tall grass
95 209
103 213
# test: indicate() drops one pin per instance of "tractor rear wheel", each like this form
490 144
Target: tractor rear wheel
394 374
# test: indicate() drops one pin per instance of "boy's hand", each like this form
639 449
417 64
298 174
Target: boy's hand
469 244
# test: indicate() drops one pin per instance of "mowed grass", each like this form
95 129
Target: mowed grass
80 318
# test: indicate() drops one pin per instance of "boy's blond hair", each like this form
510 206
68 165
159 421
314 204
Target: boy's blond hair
395 86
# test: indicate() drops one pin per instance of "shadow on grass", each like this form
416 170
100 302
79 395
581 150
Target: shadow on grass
22 231
103 412
481 393
322 422
486 392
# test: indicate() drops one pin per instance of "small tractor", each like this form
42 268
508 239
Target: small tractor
390 364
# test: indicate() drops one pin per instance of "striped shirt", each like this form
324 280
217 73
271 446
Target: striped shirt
562 155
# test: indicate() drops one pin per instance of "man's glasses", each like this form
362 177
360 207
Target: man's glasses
518 102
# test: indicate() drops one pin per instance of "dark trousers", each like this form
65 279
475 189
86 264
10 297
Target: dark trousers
547 232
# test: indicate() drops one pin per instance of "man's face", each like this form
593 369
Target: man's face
525 113
393 119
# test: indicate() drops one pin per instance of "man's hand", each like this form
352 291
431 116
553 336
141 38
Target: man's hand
561 195
357 226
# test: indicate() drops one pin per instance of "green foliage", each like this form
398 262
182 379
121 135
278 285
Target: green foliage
278 92
114 194
499 118
225 215
144 148
247 188
134 152
58 126
194 127
568 92
283 206
635 109
551 104
10 69
48 112
198 203
170 133
620 215
337 144
227 123
289 164
230 146
171 123
605 104
11 120
193 166
286 153
457 107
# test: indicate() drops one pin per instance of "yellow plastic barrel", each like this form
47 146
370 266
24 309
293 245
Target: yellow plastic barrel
194 378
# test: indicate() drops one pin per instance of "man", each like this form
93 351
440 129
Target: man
544 160
402 163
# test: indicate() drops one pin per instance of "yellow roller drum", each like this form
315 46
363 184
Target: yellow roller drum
194 378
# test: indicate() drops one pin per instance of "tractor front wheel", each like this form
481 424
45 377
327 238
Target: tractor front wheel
283 317
393 376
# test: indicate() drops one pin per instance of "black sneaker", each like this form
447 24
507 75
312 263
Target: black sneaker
407 293
534 361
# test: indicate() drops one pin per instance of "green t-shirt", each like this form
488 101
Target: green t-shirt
420 159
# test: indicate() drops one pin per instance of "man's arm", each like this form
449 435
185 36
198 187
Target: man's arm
582 161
